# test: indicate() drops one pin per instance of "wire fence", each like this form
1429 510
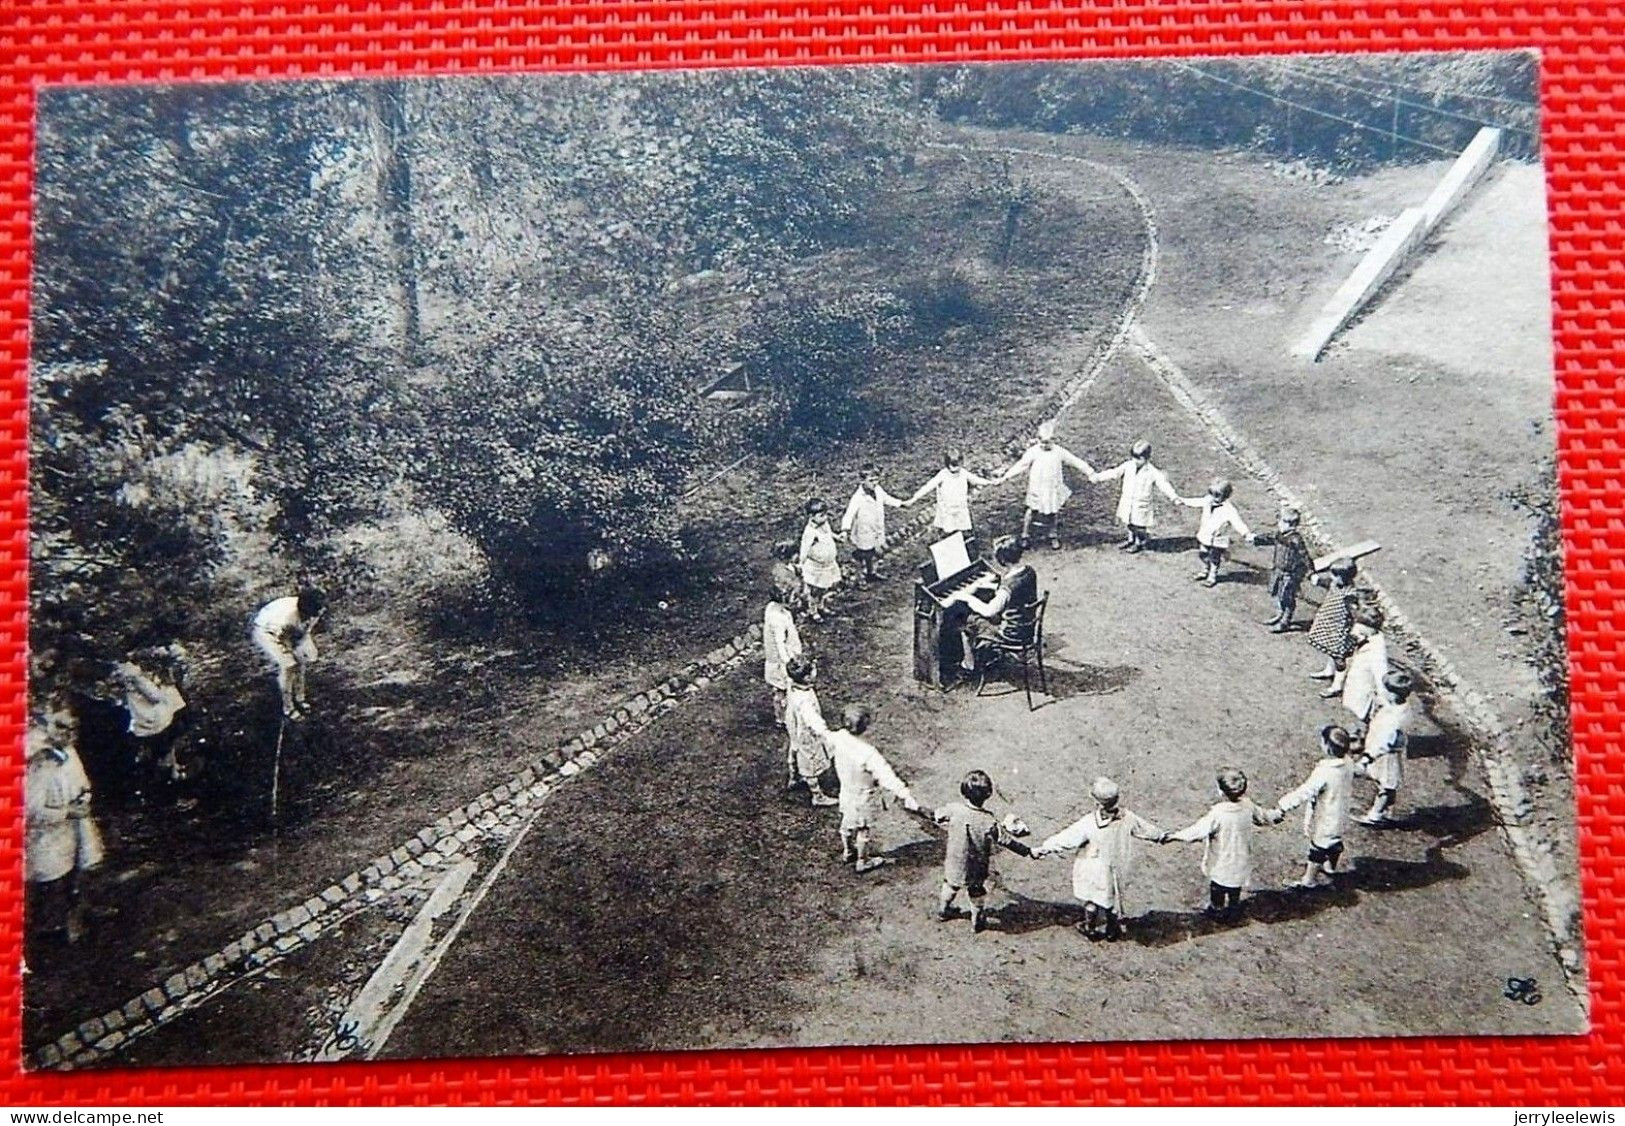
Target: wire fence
1379 111
1347 114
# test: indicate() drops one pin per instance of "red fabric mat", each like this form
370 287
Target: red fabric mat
1583 102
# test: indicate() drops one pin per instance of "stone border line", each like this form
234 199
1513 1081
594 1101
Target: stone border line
494 813
502 809
1560 908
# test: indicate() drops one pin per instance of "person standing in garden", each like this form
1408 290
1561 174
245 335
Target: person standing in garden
1387 738
1325 798
149 682
820 566
1367 665
952 488
804 723
1104 840
1045 464
864 523
282 632
863 773
61 841
1219 518
1332 631
1288 568
780 644
1226 833
1136 509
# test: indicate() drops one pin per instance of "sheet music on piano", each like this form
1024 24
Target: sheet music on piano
949 555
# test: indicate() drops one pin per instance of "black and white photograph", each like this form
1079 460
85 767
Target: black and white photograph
748 558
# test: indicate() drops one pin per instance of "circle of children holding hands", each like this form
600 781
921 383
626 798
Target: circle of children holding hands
837 766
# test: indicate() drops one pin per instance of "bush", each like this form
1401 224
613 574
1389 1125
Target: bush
543 451
815 356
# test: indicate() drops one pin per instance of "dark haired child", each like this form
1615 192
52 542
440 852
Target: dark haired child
863 772
1219 518
1226 833
1288 568
804 724
864 522
1325 798
972 833
786 575
820 569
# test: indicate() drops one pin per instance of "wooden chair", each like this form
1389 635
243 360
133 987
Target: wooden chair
1023 640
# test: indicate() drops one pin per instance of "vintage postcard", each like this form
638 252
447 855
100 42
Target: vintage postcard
868 555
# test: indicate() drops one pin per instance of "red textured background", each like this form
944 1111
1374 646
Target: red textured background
1583 102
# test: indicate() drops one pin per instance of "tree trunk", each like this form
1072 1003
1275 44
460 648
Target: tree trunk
387 102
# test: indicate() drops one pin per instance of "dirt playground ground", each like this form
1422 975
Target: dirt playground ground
673 897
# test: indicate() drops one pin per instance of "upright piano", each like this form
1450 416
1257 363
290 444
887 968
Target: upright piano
951 571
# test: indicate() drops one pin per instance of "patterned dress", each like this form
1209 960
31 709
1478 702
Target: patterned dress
1331 631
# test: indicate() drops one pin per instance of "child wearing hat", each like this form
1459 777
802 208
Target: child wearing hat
820 570
1226 833
1367 665
1136 509
1386 740
1104 839
1325 798
781 641
1219 518
1332 630
864 522
804 724
972 833
863 772
1288 568
1045 464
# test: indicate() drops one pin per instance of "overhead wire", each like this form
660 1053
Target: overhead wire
1381 95
1520 103
1349 121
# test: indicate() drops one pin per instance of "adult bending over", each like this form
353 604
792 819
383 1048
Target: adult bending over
282 630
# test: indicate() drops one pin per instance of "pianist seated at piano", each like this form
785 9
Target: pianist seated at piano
982 616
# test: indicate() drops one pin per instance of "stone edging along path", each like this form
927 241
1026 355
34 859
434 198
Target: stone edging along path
1558 900
1559 905
502 809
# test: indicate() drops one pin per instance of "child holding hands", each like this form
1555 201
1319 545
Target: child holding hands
1226 833
972 833
1219 518
1105 843
820 567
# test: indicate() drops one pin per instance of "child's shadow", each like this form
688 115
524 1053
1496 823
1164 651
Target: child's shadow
1248 574
1023 915
1285 905
1171 545
924 853
1091 537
